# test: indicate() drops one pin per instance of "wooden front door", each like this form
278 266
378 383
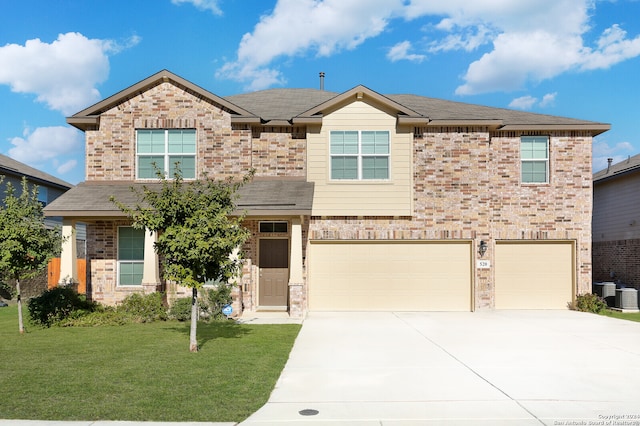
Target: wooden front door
274 273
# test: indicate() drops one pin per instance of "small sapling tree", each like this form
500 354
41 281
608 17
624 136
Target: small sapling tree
26 244
196 233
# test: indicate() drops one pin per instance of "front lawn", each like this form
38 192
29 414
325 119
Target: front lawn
139 371
631 316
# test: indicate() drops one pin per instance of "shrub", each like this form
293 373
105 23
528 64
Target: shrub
57 304
105 315
144 307
590 303
215 299
181 309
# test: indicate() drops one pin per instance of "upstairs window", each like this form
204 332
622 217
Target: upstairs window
165 148
360 155
43 195
534 157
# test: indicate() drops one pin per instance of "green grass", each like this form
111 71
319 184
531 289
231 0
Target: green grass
630 316
139 371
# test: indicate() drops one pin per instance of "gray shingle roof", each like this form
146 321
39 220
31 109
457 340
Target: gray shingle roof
629 165
440 109
280 104
92 200
10 166
285 104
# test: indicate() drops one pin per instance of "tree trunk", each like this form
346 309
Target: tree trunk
20 322
193 342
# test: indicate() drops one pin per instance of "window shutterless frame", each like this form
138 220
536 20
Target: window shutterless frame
359 155
130 256
534 159
165 148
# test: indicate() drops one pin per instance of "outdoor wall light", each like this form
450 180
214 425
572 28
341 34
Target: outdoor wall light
482 248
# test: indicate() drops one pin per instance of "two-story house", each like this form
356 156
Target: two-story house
360 201
49 188
616 223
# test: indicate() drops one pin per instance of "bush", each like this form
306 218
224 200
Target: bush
211 303
589 303
57 304
215 299
144 307
105 315
181 309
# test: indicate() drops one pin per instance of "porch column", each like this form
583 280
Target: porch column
296 279
151 269
69 254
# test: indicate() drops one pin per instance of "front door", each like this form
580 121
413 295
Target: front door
274 273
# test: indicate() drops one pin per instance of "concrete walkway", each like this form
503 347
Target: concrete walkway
482 368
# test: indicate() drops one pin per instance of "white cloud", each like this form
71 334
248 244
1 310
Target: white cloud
467 40
548 99
401 52
67 167
211 5
298 26
613 47
602 151
45 143
528 102
525 41
524 102
62 74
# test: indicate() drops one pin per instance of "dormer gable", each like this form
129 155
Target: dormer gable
361 93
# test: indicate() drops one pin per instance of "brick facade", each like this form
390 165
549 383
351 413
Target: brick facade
466 186
617 261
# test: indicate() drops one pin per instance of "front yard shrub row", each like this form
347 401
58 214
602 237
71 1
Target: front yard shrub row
57 304
63 306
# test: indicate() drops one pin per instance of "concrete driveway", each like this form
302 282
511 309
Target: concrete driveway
481 368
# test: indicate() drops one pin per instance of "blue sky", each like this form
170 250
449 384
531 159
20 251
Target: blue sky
574 58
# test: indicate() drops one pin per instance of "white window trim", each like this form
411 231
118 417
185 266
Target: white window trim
537 160
359 156
120 262
166 154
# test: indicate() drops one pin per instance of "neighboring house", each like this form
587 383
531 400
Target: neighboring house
49 187
361 201
616 223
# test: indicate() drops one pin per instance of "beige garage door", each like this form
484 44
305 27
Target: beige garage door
534 275
385 276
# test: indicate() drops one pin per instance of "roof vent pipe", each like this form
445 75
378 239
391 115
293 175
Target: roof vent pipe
321 80
609 161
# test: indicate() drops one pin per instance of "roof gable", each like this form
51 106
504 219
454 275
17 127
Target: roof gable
90 117
405 115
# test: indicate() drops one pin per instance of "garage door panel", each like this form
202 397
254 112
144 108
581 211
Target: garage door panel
534 275
389 276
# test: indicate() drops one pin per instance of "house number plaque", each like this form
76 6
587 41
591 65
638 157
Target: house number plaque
484 264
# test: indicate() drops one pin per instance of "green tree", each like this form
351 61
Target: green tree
197 235
26 244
